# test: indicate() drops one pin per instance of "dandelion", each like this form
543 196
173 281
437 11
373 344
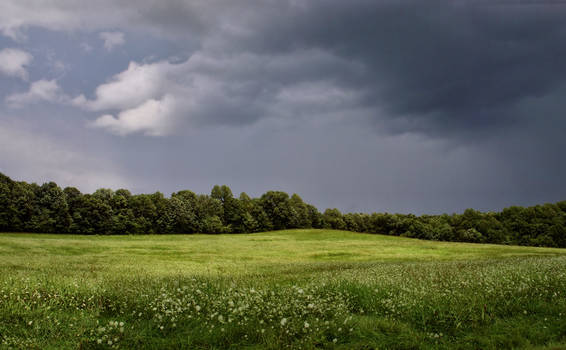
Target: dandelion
334 340
283 321
306 325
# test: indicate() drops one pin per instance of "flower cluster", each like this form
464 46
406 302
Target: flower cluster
108 335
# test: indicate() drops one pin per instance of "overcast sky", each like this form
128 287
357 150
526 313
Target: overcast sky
398 106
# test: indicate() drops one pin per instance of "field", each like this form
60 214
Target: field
285 289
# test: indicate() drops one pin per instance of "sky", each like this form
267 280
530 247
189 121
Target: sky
402 106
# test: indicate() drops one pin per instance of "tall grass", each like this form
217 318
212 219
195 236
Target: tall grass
492 301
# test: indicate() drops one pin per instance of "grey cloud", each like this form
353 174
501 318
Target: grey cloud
437 67
235 90
112 39
168 19
27 155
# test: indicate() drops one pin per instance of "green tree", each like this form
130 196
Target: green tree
299 213
5 202
51 212
91 215
333 218
277 208
208 212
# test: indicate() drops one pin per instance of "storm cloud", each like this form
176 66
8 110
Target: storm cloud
362 105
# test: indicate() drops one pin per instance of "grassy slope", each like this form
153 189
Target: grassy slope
231 254
399 293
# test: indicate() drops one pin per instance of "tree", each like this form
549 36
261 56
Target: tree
5 202
145 212
232 211
91 215
277 208
253 217
299 213
123 218
208 212
51 212
333 218
315 217
180 213
21 209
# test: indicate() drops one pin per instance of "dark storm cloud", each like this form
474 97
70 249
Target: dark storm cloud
437 67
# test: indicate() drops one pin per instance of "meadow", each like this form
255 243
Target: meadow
299 289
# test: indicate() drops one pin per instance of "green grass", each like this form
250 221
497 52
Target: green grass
295 289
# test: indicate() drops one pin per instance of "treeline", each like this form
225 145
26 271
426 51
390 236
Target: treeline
49 209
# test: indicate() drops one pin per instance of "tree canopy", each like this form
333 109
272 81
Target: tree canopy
47 208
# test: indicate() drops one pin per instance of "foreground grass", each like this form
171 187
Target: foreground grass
298 289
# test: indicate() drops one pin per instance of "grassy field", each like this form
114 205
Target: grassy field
286 289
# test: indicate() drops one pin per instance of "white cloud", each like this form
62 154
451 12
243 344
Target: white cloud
129 88
14 61
112 39
152 118
39 91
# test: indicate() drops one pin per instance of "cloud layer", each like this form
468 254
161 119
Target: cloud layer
388 100
439 68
